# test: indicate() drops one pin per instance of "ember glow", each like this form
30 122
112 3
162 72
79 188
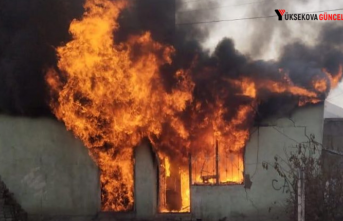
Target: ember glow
112 95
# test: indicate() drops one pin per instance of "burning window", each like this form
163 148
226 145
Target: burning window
217 164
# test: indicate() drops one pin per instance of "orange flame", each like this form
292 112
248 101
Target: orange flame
334 80
111 98
111 101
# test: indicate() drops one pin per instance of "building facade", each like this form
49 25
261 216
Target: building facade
52 176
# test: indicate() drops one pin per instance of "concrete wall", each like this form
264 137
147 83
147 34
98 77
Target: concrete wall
266 199
50 172
145 182
333 134
47 169
333 143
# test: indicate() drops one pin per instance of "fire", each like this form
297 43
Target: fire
307 96
334 79
112 95
111 100
174 187
247 86
320 85
167 166
224 144
185 191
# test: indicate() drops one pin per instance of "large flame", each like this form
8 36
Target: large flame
111 95
111 100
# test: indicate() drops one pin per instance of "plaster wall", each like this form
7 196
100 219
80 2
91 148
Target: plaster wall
266 198
51 173
333 143
47 169
145 181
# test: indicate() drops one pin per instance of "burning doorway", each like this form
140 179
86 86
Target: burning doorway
174 186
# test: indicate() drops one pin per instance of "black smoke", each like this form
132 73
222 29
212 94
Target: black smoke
302 62
29 33
31 30
211 71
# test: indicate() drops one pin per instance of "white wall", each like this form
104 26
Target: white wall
145 181
50 172
47 169
334 103
266 199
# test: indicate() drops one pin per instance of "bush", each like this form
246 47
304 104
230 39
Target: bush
323 181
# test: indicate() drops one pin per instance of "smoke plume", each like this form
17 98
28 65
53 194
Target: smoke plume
29 32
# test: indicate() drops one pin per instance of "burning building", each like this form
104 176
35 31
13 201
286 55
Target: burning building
52 175
170 130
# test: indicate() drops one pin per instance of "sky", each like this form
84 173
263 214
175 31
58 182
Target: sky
273 33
